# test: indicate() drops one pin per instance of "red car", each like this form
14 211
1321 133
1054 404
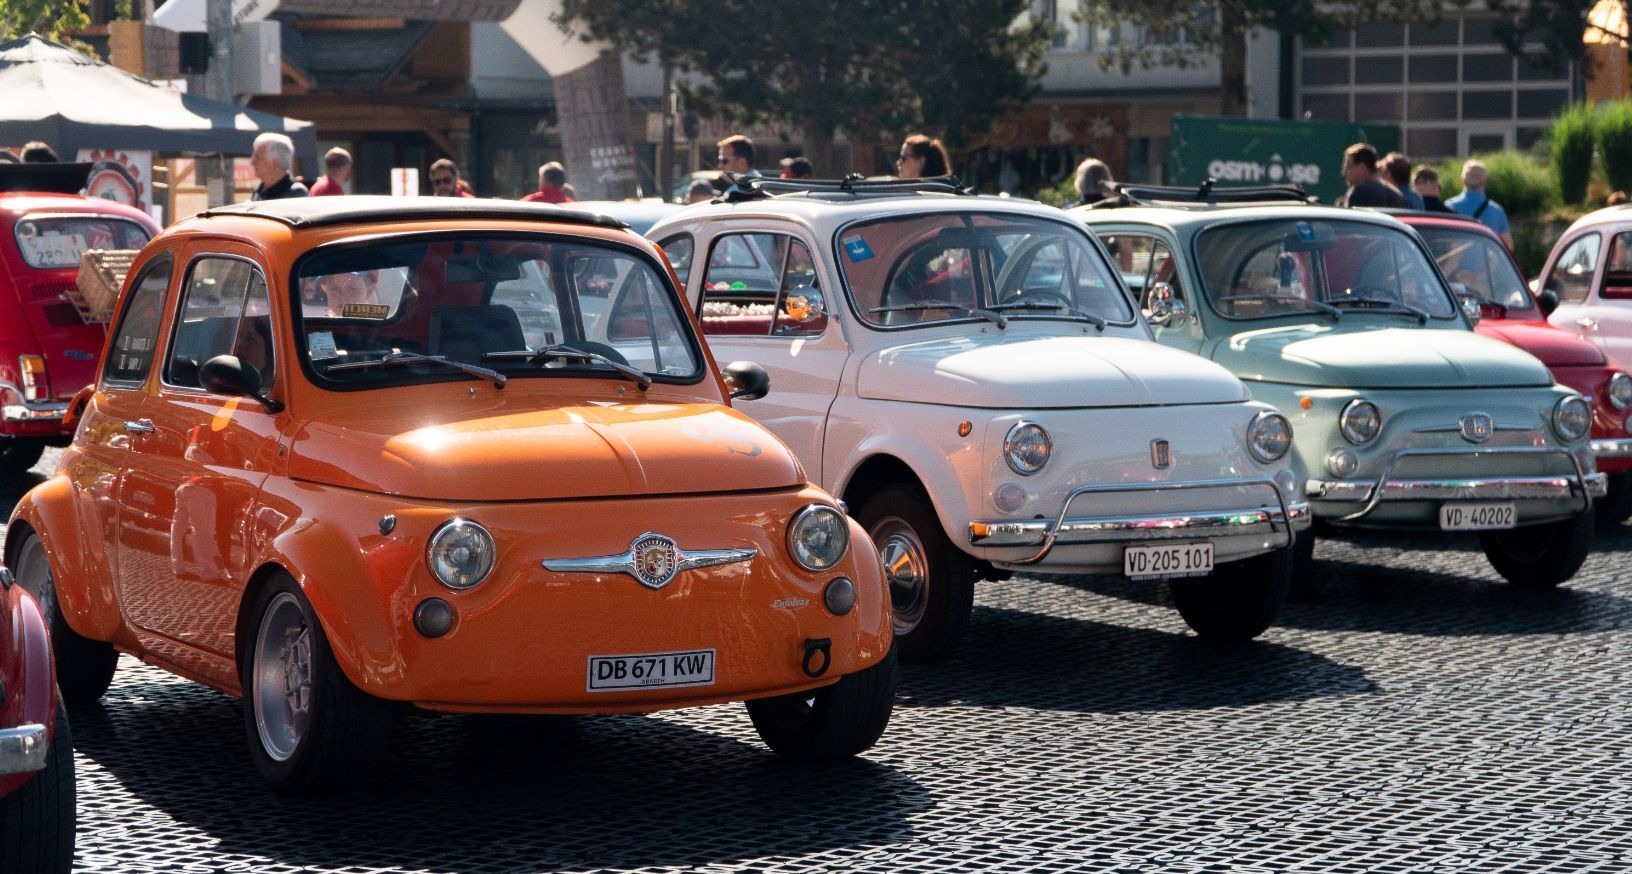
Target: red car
48 350
1481 269
36 754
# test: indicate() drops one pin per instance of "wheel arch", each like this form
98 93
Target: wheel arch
47 511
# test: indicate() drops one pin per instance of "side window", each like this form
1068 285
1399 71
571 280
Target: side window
800 309
131 354
532 297
742 284
1130 254
1571 277
1145 263
213 308
678 250
1618 268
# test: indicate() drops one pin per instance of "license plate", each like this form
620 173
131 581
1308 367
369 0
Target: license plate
1476 517
652 670
1167 560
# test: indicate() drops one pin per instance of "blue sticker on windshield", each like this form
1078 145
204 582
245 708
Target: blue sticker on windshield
1305 232
856 248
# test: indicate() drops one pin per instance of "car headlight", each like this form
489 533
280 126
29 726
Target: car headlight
1572 417
1027 448
461 554
818 537
1269 436
1620 390
1360 422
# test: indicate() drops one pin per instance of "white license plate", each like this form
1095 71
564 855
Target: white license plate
1167 560
1476 517
652 670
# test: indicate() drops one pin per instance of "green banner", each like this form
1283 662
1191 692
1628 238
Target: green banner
1250 151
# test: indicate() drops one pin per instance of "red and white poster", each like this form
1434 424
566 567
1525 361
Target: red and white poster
121 176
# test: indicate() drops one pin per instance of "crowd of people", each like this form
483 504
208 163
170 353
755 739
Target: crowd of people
1389 183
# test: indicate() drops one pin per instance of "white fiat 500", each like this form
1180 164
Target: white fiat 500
970 375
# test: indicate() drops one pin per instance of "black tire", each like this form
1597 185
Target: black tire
1239 600
18 455
84 666
37 821
343 732
1540 556
1303 565
931 582
1616 507
833 722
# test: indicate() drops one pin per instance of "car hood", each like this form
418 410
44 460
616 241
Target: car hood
1382 357
514 451
1554 346
1008 371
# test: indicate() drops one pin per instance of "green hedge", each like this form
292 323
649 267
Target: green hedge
1572 152
1614 125
1520 183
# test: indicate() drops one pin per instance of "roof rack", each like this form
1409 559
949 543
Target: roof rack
761 187
1204 194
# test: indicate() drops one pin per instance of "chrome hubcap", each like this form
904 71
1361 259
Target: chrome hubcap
906 568
282 673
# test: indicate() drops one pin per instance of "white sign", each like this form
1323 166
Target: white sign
187 16
404 181
122 177
1275 172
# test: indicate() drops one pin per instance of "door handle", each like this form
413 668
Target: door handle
140 426
1589 324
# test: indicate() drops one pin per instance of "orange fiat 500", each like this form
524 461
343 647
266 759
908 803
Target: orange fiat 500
463 455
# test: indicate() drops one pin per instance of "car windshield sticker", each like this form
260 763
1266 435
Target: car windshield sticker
1306 233
365 311
857 248
321 345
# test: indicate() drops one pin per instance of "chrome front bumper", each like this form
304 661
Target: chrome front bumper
1066 530
1619 447
23 749
1529 488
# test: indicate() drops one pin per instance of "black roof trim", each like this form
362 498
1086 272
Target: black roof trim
312 212
46 178
1205 194
761 187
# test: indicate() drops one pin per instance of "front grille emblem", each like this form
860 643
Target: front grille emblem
1476 427
1161 455
652 559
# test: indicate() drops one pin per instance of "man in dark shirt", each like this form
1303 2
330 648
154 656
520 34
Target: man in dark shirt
1365 189
271 157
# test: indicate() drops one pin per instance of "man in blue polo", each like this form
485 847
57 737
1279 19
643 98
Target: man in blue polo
1474 202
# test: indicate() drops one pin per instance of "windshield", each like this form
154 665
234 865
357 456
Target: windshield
416 310
50 242
1280 267
916 269
1477 264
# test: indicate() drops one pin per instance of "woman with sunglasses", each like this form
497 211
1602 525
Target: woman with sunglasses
922 157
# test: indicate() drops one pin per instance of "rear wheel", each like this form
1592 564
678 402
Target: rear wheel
1239 600
84 666
833 722
18 454
37 821
1540 556
1616 507
309 728
932 582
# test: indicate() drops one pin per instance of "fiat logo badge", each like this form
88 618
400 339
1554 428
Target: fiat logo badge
1161 455
655 562
1476 427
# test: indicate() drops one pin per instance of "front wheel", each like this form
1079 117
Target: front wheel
1239 600
1616 506
37 821
1540 556
84 666
932 582
309 728
833 722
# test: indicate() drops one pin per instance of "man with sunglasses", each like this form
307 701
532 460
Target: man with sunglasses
445 180
736 157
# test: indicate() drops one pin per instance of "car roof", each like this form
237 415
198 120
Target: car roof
1606 216
637 214
18 203
312 212
829 208
1192 216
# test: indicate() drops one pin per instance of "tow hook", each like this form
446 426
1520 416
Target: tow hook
813 647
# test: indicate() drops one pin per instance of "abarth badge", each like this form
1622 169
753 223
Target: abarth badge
1476 427
652 559
1161 454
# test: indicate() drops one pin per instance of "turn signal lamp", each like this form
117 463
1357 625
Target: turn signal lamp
35 386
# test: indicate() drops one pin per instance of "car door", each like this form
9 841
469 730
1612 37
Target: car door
764 299
1145 259
205 459
1571 276
1611 301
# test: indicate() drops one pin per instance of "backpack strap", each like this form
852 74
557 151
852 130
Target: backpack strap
1481 210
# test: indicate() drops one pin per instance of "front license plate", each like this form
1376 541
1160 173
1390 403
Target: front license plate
1476 517
652 670
1167 560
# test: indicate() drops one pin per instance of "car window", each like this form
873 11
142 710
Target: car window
1571 276
131 353
678 251
55 241
1277 267
923 268
489 300
1477 264
1146 262
743 283
801 310
1618 267
224 311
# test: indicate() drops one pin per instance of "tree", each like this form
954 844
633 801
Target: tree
49 19
860 68
1562 27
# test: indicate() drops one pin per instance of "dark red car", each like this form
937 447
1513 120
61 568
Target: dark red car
36 754
1480 268
48 349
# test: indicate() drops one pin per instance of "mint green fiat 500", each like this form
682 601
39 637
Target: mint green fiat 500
1403 416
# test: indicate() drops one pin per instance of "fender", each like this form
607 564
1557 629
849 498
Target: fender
875 620
27 669
84 595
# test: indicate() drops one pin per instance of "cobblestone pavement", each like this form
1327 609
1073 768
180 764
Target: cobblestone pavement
1410 713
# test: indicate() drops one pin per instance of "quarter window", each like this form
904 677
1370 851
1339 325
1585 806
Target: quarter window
762 284
1571 276
678 250
224 311
1618 269
131 354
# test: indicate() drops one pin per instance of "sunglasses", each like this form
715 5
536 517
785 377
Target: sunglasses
722 159
442 180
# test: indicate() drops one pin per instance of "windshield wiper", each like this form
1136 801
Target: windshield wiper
1098 321
498 379
1383 303
545 354
988 315
1311 304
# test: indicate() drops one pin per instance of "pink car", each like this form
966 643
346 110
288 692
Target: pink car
36 754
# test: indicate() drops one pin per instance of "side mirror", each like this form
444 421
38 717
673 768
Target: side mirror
1548 301
746 380
226 375
1470 306
803 306
1163 305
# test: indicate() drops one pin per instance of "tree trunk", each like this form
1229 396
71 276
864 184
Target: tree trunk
1232 63
592 113
819 148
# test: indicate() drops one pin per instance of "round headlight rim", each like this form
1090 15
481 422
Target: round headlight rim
1252 443
1008 444
442 530
793 528
1343 421
1558 417
1623 378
